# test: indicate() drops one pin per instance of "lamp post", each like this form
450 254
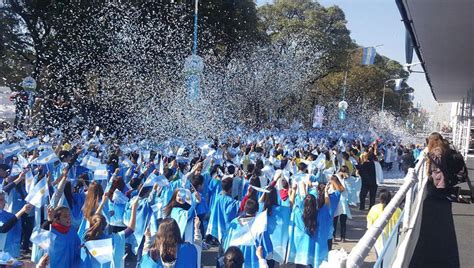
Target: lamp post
398 82
194 65
343 103
401 97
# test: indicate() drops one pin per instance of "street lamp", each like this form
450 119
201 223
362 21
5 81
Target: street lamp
194 65
398 82
411 96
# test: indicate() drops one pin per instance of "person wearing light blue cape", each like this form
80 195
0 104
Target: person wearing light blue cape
10 228
309 228
343 211
116 204
146 199
64 250
335 191
243 225
182 209
225 209
99 231
202 209
74 201
68 160
278 222
168 248
16 196
214 187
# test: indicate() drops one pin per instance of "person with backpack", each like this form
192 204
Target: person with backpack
445 167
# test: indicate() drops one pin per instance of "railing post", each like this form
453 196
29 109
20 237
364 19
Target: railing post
407 208
362 249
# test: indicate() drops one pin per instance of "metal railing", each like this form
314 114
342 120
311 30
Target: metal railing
414 182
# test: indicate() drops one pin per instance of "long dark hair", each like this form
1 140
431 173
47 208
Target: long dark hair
310 214
171 204
233 258
93 197
168 240
384 197
271 199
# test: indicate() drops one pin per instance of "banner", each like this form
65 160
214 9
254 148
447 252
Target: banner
318 116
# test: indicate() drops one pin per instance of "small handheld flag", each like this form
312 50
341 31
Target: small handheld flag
32 144
37 195
119 198
101 173
11 149
101 249
92 163
42 238
46 157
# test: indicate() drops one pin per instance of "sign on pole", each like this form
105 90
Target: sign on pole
29 83
193 67
318 116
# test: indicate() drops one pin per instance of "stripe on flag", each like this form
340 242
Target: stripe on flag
368 55
92 163
37 195
101 249
101 173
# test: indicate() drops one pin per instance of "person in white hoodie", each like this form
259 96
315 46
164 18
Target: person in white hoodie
389 155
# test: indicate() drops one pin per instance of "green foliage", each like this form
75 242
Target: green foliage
37 37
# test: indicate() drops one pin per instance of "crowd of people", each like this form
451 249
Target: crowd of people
262 198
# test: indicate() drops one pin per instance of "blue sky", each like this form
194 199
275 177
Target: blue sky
375 22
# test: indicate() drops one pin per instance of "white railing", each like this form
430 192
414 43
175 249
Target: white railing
410 192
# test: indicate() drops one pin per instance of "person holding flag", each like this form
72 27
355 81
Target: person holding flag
169 249
223 211
310 227
248 232
10 229
65 245
182 208
95 255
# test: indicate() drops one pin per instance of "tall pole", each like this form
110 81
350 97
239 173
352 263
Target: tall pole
195 37
383 96
345 85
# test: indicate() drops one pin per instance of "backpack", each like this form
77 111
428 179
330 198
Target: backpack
456 167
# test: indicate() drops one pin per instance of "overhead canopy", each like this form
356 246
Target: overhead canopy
442 32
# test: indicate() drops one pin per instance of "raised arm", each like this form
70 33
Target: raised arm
133 216
14 183
62 184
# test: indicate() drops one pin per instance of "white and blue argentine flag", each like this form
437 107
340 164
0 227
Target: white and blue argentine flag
29 181
37 195
101 173
146 156
20 134
247 235
101 249
46 157
153 178
23 162
16 170
42 238
92 163
127 162
119 198
368 55
11 149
